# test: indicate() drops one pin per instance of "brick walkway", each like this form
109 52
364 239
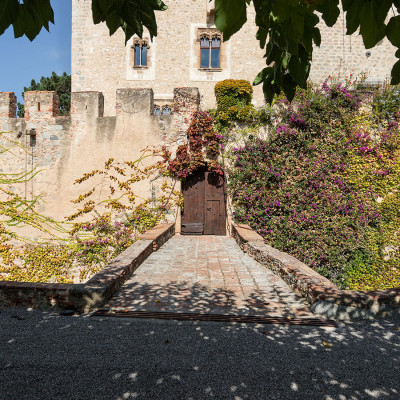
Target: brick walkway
207 274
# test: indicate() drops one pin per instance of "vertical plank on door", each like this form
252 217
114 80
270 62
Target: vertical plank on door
215 215
193 205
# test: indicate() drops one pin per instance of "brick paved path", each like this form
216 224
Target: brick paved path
207 274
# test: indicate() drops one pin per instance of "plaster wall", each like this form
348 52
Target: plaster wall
64 148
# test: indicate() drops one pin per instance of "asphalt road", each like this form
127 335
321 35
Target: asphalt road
47 356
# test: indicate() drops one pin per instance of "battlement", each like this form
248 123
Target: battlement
8 105
40 105
67 147
88 105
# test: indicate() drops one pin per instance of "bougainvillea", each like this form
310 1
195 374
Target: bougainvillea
202 149
324 188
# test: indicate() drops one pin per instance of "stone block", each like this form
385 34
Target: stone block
41 105
8 105
87 104
134 101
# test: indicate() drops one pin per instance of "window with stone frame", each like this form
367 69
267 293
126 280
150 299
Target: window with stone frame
210 48
140 47
165 109
156 110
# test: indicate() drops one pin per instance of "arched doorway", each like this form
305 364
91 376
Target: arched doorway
204 209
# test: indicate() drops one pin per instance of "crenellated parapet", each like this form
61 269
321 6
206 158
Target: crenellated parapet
8 105
134 101
44 106
87 104
41 105
63 148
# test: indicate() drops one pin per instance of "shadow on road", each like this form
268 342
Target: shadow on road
196 298
46 356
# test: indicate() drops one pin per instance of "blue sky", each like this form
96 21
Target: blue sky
23 60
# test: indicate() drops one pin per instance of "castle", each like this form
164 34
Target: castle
189 52
127 97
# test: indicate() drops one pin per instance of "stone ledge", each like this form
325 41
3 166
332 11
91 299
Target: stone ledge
243 234
324 297
94 293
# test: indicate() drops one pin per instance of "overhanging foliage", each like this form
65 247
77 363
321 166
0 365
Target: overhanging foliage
287 29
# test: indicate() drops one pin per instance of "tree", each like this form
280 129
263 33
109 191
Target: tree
287 29
60 84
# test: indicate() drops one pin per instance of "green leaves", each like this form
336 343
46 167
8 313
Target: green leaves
371 29
353 10
130 15
393 31
393 34
28 18
395 73
330 11
262 75
9 10
230 16
289 30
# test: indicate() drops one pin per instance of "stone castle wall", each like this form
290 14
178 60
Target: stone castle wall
343 54
104 63
64 148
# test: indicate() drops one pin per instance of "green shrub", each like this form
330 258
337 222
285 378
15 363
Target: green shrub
233 93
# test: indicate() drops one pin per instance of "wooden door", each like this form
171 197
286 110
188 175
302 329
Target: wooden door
193 205
204 205
214 216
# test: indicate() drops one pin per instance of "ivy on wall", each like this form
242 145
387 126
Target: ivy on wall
324 186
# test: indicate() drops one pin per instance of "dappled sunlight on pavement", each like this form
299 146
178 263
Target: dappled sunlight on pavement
47 356
207 274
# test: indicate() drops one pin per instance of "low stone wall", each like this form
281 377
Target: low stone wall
324 297
95 292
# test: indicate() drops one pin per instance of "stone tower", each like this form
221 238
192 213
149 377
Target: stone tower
178 55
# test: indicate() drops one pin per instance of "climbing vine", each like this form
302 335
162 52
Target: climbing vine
109 217
202 149
324 186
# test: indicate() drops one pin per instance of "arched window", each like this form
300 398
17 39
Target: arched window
166 110
144 54
215 49
140 47
210 46
205 52
156 110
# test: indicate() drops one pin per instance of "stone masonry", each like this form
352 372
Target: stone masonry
174 54
207 274
62 149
